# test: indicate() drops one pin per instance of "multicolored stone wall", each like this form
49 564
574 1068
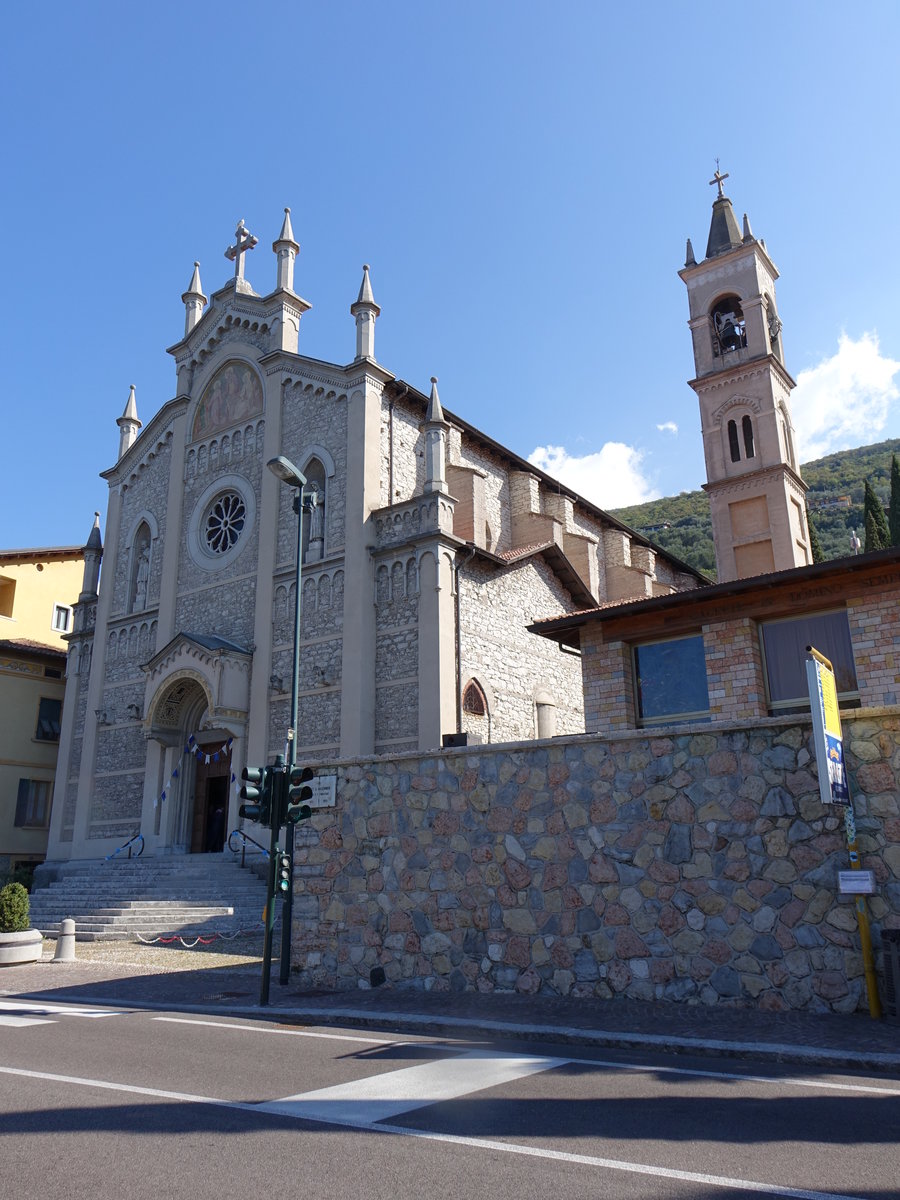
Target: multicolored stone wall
694 865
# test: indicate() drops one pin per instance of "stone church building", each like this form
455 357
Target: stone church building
430 550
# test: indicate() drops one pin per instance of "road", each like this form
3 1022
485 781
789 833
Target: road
109 1103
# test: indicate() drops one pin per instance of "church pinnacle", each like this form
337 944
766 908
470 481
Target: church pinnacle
194 301
93 552
128 423
435 443
366 311
286 251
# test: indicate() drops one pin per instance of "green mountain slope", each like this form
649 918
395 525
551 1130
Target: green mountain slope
681 524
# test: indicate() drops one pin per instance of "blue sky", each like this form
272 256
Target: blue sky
521 181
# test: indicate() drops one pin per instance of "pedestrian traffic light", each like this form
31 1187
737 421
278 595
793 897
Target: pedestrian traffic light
283 865
298 794
257 792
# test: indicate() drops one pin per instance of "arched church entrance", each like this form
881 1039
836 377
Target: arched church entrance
196 761
212 775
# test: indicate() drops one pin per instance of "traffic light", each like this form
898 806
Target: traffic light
283 866
298 793
257 791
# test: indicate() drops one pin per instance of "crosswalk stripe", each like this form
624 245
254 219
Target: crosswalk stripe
18 1022
49 1012
380 1097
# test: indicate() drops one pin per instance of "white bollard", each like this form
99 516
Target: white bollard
65 943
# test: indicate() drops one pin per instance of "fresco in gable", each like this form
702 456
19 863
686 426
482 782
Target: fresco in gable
232 395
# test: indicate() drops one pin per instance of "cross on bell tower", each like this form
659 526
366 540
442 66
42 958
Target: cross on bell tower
719 179
243 241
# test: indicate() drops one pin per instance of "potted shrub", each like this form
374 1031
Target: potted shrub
18 943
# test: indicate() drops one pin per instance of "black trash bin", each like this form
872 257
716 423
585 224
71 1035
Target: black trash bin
890 941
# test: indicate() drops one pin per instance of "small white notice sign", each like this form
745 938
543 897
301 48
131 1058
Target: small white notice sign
324 791
856 883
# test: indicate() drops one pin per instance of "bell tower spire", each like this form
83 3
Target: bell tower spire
756 495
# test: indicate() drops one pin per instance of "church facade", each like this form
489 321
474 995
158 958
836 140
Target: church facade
428 550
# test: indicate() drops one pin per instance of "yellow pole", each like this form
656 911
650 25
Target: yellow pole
862 918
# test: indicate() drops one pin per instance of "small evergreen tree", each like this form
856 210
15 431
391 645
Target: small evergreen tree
818 554
894 512
878 535
14 908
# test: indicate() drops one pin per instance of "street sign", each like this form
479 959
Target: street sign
856 883
324 791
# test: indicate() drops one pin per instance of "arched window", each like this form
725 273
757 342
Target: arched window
473 701
733 444
476 714
747 427
314 515
728 327
139 573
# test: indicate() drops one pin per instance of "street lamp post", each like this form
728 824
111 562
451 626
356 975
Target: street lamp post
285 470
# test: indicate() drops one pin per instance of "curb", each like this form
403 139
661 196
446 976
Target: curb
450 1026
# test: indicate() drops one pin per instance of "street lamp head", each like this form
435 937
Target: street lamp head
286 471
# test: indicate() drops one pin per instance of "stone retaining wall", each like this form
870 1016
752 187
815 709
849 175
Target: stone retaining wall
695 864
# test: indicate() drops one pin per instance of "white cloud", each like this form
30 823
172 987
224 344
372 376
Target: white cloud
668 427
610 478
846 400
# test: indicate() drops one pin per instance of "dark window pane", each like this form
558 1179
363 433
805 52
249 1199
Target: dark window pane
48 720
671 678
733 442
784 650
747 426
33 804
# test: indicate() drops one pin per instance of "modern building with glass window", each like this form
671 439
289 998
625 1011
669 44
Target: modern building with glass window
736 652
429 550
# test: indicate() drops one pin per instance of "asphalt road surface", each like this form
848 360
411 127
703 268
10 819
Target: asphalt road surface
113 1103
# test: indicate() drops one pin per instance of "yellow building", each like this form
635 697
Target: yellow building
37 591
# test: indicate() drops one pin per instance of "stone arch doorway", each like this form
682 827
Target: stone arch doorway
193 766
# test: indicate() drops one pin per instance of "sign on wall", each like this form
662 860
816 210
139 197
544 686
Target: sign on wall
827 735
324 788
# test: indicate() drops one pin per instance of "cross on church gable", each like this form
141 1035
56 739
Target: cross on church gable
244 241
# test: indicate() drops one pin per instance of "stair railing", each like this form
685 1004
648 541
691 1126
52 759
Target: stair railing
245 838
138 837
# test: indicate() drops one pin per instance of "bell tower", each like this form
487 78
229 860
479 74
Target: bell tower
756 495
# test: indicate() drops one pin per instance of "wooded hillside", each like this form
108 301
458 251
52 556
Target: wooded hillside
681 524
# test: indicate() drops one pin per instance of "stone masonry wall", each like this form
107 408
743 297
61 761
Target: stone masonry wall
510 664
692 865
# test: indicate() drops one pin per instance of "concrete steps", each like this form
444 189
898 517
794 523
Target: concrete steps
188 894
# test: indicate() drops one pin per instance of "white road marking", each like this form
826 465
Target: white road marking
605 1064
18 1013
52 1010
379 1097
777 1080
332 1037
610 1164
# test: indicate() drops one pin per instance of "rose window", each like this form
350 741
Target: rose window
224 522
